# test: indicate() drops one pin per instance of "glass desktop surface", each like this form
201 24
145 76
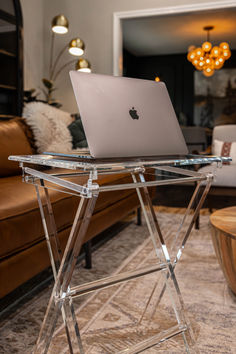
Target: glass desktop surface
70 161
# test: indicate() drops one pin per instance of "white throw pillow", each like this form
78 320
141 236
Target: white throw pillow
222 148
49 126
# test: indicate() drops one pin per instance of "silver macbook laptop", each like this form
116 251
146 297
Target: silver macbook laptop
125 117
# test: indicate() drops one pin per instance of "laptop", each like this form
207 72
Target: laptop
126 117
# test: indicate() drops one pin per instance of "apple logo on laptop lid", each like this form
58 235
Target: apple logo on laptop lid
133 113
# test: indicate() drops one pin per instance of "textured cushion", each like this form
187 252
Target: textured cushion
13 141
49 126
222 148
224 177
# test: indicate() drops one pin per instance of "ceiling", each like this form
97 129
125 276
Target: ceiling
173 34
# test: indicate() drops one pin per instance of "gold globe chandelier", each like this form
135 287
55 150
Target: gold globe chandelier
207 58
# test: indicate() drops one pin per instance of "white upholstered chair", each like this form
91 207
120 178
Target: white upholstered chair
225 176
223 190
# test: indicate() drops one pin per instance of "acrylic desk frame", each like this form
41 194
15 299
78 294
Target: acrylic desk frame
61 300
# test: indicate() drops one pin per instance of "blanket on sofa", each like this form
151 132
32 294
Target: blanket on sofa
51 127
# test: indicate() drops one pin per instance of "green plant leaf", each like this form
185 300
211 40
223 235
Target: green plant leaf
48 83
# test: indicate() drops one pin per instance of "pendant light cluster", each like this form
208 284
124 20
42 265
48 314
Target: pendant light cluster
207 58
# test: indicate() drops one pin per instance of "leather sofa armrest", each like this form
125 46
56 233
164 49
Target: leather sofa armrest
13 141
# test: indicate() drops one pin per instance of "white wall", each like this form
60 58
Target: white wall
92 20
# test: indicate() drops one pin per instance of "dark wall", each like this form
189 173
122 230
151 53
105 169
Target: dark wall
177 73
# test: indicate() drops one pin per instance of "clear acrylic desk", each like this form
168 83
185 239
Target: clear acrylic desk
166 172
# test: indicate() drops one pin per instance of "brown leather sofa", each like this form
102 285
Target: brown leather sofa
23 251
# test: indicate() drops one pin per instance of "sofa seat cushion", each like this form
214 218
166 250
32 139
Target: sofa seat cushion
20 222
224 177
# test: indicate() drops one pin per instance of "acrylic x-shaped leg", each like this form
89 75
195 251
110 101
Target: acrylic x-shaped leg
162 252
180 239
63 267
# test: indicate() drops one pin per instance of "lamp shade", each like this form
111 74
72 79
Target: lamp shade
60 24
83 65
76 47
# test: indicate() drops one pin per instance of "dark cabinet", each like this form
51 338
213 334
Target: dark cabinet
11 59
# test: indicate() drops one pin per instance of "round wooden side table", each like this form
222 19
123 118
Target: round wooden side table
223 224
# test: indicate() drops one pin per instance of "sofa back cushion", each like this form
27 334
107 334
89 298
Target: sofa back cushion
13 141
225 133
224 142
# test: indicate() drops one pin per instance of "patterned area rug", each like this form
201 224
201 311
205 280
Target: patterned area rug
114 318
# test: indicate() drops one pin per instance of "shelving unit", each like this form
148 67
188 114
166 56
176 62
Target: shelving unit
11 59
7 87
5 52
